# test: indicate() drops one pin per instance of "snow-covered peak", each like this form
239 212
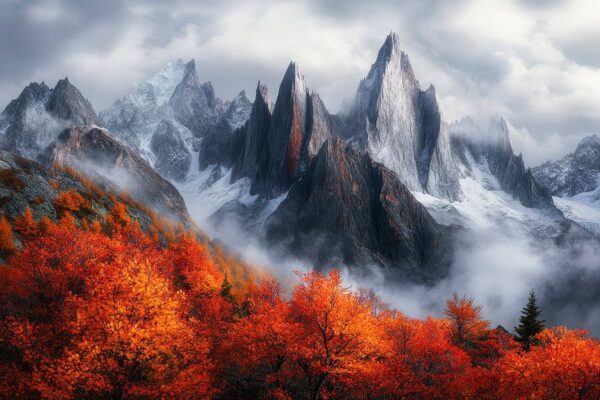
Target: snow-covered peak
588 143
401 126
238 110
154 91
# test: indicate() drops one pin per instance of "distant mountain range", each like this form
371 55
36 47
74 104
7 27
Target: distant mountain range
390 183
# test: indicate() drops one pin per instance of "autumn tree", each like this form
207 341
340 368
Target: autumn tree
530 323
7 243
26 225
469 331
69 201
261 347
564 364
336 332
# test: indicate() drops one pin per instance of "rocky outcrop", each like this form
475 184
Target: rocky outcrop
97 153
494 152
400 125
172 156
195 106
254 135
298 128
577 172
25 183
32 121
348 210
222 142
67 103
175 96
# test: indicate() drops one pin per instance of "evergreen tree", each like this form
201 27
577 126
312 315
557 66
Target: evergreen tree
226 289
529 323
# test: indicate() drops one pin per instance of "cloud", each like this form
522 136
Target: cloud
535 62
497 268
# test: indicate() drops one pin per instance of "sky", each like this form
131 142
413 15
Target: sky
536 62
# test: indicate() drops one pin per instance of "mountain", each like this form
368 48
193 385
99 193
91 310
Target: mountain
347 209
299 126
135 117
34 119
401 125
296 185
577 172
491 153
96 153
167 117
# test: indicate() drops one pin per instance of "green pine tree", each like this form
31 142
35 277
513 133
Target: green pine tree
226 290
529 323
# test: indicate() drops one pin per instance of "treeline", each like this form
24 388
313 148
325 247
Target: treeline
104 310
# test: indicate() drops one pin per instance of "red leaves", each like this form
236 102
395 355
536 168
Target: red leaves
104 311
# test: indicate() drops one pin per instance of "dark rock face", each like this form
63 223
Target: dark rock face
509 169
400 125
33 120
254 136
223 141
298 128
348 209
172 156
67 103
97 153
577 172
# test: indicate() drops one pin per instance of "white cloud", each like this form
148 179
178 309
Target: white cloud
535 62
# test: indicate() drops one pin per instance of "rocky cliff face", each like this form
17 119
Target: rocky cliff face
299 125
25 183
577 172
195 105
97 153
254 136
220 144
172 156
33 120
400 125
347 209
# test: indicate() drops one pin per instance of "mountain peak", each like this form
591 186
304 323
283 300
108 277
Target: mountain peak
499 132
293 76
67 103
390 48
587 142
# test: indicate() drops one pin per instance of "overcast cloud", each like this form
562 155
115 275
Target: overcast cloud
537 62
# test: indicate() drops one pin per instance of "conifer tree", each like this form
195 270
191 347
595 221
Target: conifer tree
26 225
529 323
226 289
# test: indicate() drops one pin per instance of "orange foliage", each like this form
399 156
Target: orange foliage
106 311
7 243
565 365
69 201
26 225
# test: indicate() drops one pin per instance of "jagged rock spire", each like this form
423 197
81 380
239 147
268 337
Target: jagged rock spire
67 102
400 125
255 137
298 128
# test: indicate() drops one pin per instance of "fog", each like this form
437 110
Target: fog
497 266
